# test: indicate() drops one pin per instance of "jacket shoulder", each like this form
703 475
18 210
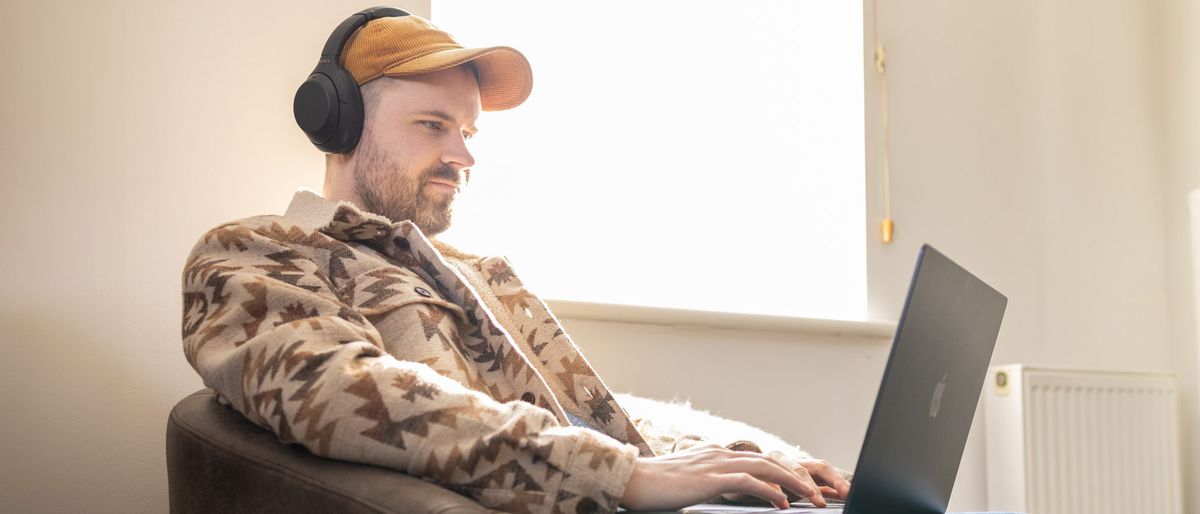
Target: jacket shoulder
237 233
252 223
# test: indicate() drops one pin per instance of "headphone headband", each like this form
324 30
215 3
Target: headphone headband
341 35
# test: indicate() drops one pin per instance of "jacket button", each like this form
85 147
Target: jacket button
401 243
423 292
528 398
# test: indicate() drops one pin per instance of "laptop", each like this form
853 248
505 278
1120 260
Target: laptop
931 386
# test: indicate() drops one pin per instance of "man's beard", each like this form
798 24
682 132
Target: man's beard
386 190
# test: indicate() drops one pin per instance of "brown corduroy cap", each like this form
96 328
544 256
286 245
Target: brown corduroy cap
410 45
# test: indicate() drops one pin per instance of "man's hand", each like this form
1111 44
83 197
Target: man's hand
833 482
702 473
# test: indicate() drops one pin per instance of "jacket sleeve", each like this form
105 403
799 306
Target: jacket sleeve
266 329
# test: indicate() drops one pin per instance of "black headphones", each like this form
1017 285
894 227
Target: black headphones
328 106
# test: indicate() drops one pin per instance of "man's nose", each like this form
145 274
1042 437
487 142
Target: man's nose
457 154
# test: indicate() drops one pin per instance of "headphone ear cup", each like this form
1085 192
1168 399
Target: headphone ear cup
316 108
328 108
328 105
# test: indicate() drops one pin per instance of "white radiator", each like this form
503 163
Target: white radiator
1067 442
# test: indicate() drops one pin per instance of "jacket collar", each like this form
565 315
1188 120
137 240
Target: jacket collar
345 221
341 219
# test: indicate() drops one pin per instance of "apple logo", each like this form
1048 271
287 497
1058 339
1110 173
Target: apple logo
935 405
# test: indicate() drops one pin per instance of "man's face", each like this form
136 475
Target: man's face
411 160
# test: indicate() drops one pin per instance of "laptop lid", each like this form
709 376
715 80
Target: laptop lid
926 402
930 389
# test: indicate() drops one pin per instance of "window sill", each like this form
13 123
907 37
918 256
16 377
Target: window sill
694 319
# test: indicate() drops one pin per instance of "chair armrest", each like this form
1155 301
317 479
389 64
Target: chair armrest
217 461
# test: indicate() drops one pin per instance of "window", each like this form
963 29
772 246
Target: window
678 154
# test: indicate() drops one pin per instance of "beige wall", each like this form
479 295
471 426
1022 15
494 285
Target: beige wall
1181 74
1045 145
129 128
1029 143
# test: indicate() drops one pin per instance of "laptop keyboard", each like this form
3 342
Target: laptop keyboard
833 504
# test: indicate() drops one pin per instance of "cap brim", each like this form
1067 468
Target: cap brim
505 78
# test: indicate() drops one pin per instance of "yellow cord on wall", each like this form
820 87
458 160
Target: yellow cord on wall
887 226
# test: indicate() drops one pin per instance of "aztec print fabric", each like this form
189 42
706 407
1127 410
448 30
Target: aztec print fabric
276 321
362 340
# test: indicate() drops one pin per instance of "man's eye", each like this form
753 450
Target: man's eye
468 135
432 125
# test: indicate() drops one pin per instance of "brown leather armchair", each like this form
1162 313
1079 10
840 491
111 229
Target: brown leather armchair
217 461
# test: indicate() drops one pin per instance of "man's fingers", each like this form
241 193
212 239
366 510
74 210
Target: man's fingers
746 483
815 496
830 492
697 474
796 480
810 490
826 474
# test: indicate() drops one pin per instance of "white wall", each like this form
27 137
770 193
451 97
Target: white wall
129 128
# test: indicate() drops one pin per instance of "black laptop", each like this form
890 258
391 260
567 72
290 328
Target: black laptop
930 388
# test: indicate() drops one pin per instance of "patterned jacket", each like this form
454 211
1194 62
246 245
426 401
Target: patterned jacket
363 340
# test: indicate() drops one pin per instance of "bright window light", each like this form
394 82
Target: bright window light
684 154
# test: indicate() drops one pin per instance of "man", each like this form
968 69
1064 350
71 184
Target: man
345 327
